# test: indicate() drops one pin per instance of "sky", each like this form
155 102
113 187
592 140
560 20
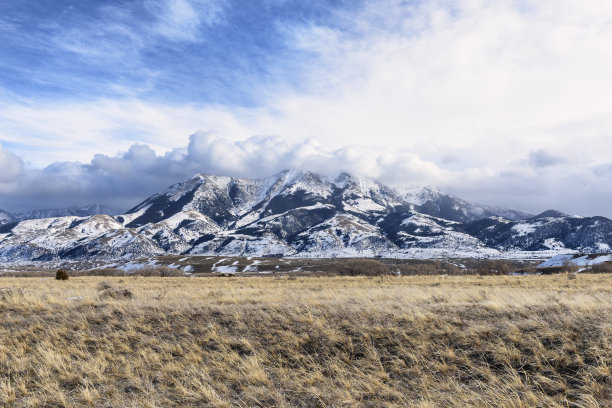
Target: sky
506 102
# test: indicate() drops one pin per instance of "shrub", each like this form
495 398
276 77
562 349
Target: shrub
493 267
169 272
367 267
159 270
569 267
61 274
428 268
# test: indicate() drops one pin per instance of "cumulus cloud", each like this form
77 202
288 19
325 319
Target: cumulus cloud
457 95
123 180
11 166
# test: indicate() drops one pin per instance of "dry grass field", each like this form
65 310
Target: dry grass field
434 341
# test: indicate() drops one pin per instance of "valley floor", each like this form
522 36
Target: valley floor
435 341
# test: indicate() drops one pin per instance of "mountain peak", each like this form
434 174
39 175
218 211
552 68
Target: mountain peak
297 212
550 214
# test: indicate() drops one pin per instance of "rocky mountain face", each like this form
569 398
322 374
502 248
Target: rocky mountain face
297 213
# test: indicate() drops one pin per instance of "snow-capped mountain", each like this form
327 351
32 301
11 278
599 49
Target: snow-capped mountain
455 209
83 211
299 213
544 232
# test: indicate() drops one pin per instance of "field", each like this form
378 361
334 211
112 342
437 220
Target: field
200 265
295 341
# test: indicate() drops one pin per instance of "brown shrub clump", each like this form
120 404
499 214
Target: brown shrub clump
61 275
362 267
605 267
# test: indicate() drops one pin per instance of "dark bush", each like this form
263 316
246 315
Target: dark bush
367 267
493 267
428 268
61 274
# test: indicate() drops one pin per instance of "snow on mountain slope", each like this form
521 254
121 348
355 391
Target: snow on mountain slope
343 235
245 245
70 237
418 195
299 213
423 231
588 234
222 199
177 233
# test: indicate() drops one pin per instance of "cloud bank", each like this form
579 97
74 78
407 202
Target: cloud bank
501 102
123 180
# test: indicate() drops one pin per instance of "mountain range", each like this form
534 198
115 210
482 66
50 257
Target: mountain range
299 213
82 211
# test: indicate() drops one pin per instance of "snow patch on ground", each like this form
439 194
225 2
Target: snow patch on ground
585 260
252 267
523 229
553 243
225 269
363 205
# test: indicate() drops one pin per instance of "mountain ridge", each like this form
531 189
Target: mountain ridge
300 213
79 211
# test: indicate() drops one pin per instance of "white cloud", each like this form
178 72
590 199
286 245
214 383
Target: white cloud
483 98
180 20
123 180
489 81
120 33
11 166
489 77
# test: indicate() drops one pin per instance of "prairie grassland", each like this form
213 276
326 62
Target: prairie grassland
435 341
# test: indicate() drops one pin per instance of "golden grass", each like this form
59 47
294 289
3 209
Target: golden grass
436 341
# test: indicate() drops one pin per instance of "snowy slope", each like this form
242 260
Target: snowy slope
299 213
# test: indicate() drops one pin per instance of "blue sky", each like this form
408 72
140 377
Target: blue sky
205 52
505 102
